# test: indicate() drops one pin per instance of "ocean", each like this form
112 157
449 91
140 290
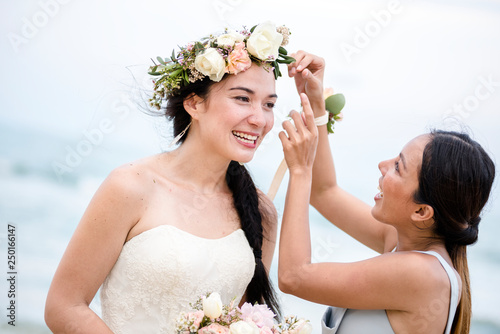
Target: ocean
41 208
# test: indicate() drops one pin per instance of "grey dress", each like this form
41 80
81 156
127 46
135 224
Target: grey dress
338 320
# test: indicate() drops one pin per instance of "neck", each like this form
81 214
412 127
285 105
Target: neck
196 166
420 239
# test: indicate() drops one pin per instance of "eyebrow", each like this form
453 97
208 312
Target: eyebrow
249 91
403 159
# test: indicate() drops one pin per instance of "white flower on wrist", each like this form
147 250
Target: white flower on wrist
211 63
264 42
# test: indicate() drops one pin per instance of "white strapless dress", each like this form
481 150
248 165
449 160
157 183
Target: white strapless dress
161 271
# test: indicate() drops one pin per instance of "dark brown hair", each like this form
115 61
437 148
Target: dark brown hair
455 179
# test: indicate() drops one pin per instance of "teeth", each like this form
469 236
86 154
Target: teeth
381 194
246 138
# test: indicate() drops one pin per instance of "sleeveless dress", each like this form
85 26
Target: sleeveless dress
162 270
338 320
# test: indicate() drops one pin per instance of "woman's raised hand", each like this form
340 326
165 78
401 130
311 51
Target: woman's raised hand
308 71
300 141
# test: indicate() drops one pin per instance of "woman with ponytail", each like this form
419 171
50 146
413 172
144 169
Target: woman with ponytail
163 231
426 213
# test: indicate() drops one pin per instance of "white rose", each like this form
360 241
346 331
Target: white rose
264 41
230 38
211 63
212 305
243 327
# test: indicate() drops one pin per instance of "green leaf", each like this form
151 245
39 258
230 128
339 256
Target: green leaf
198 47
287 60
173 55
277 72
329 127
253 28
282 50
152 70
335 103
160 60
176 72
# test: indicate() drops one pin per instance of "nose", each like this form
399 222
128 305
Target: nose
383 166
257 118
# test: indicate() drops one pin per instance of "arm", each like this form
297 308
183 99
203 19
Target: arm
347 212
378 283
91 254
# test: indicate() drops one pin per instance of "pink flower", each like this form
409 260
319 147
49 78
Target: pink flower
261 315
214 329
339 117
266 330
196 318
238 60
327 92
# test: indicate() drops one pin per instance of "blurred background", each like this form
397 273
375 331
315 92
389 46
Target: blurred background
73 78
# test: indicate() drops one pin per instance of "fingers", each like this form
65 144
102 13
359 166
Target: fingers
304 123
300 63
305 60
309 114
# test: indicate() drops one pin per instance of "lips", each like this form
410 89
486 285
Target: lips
245 138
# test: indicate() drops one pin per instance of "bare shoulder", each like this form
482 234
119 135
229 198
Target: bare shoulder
132 178
125 190
422 271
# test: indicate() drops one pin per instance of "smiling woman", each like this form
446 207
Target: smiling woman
426 214
162 231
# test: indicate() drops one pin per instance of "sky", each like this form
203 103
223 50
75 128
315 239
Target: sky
72 68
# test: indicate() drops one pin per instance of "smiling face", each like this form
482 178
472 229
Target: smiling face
395 204
237 114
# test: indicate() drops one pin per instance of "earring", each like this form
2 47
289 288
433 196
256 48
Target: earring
179 136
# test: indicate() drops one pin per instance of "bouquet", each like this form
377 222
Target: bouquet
210 316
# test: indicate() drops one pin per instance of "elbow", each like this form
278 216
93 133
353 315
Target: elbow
51 319
289 281
56 315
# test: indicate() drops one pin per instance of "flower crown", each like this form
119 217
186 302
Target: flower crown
231 52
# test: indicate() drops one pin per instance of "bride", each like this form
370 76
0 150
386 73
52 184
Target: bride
161 231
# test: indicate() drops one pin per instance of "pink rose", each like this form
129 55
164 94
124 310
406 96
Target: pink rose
196 317
214 329
261 315
238 60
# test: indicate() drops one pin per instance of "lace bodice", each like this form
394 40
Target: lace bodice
160 271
